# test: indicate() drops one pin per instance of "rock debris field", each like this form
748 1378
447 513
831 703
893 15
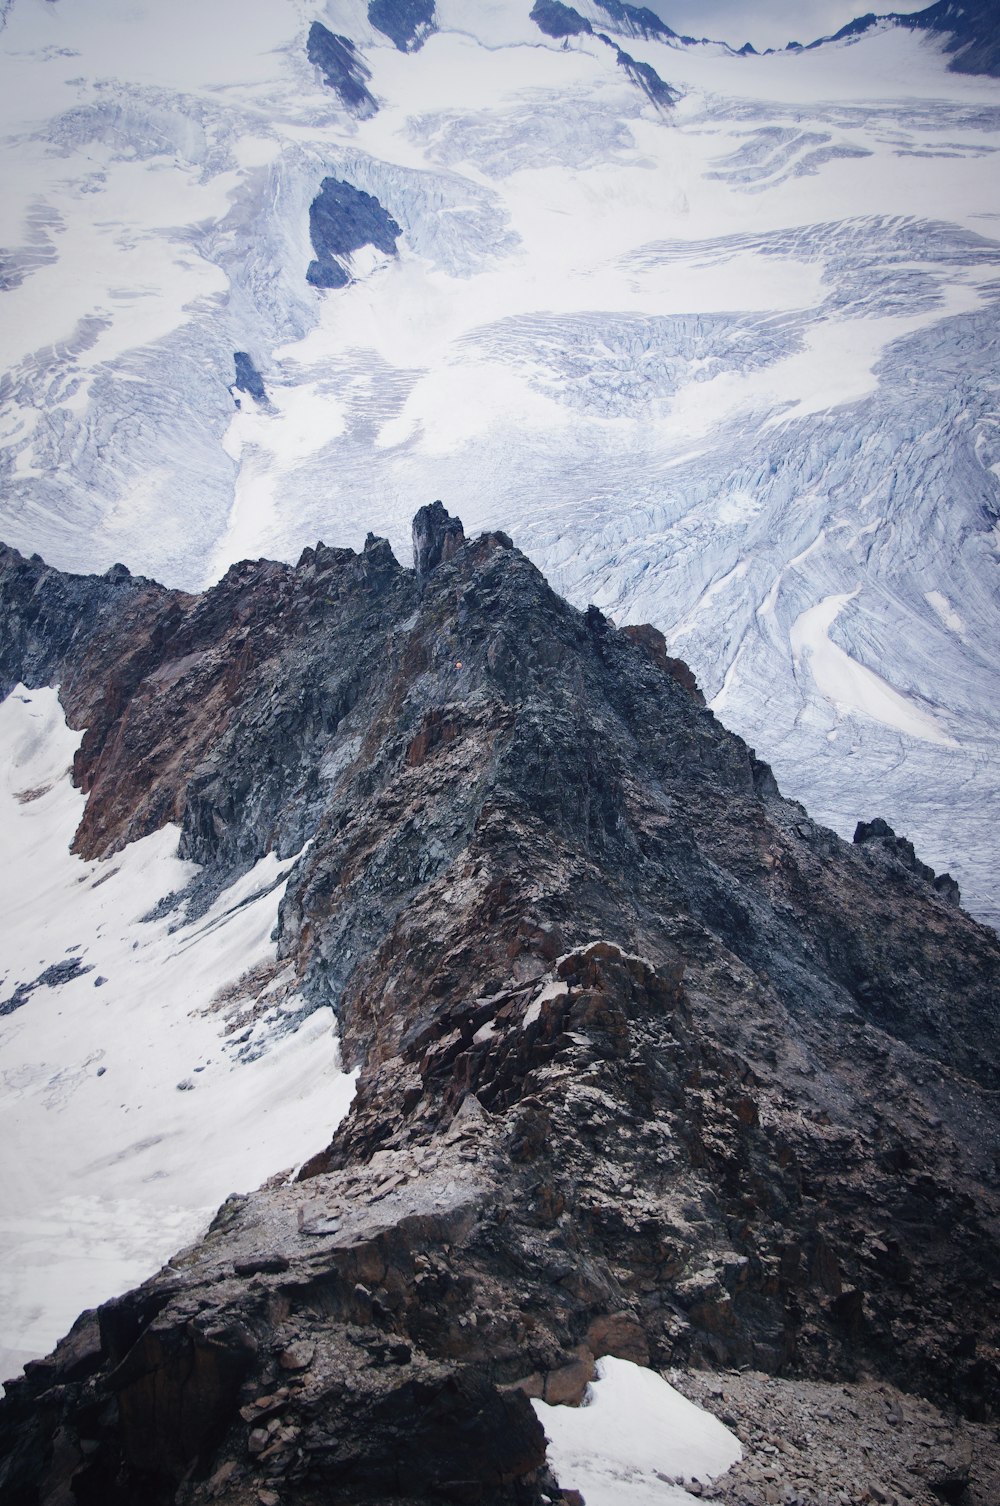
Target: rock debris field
822 1444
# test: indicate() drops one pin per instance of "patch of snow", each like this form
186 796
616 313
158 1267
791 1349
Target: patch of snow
633 1434
553 990
945 612
853 686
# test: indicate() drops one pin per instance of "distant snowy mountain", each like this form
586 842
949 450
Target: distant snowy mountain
971 29
714 336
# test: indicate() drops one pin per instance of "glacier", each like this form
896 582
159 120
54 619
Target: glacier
728 366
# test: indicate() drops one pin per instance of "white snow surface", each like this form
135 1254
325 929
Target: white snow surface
107 1166
633 1439
850 686
712 368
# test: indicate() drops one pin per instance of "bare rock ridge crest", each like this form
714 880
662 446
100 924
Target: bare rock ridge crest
651 1064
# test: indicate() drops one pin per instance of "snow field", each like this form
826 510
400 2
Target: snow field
851 686
107 1164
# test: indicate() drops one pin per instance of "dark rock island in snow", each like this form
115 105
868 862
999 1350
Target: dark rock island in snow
342 68
248 378
407 23
342 219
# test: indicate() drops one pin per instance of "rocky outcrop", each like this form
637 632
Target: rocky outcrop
436 537
558 20
342 219
653 643
636 20
562 21
248 378
342 69
972 29
651 1064
645 77
879 838
407 23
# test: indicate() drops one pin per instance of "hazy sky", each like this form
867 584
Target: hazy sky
769 23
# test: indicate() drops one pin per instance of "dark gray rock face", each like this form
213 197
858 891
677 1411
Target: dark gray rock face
636 20
343 69
651 1064
879 836
854 28
973 30
436 537
407 23
248 378
645 76
342 219
58 973
49 617
558 20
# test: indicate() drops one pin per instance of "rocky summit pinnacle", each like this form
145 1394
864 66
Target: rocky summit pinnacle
436 537
651 1065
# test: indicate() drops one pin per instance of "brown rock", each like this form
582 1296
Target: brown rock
566 1386
297 1356
618 1334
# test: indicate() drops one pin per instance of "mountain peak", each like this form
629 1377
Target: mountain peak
629 1026
630 1029
971 27
436 537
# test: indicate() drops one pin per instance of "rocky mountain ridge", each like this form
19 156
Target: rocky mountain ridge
652 1066
762 322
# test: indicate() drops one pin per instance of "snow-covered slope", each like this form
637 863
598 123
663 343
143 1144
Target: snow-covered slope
148 1069
728 365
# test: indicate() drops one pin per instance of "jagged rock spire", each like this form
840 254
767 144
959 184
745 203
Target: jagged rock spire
436 537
